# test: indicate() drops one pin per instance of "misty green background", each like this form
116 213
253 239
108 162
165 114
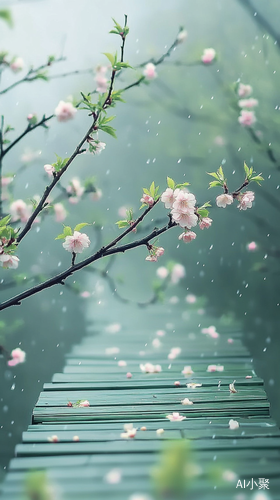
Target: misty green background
166 128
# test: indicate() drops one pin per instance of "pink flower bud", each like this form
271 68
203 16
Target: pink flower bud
208 56
247 118
205 223
18 356
150 71
49 169
252 247
65 111
148 200
187 236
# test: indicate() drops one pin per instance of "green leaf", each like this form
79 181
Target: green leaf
115 32
179 186
215 183
220 173
146 191
6 16
110 57
80 226
60 237
108 130
213 174
107 119
247 170
170 183
257 179
152 189
43 75
122 223
203 212
117 26
67 231
5 220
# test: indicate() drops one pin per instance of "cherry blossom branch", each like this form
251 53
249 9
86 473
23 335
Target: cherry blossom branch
1 153
101 253
34 74
28 129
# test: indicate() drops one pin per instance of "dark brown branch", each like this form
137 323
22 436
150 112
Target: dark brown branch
103 252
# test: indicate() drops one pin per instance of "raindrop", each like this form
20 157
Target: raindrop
239 149
271 381
179 161
159 122
13 387
212 97
169 367
265 257
107 172
60 293
64 309
26 185
224 161
264 350
148 161
210 248
255 14
59 264
215 457
37 229
154 160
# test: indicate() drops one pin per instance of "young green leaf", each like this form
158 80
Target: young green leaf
110 57
78 227
108 130
170 183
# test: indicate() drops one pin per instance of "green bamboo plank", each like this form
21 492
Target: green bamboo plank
142 446
108 435
157 379
272 457
215 422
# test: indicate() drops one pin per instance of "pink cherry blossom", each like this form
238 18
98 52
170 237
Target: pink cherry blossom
187 236
230 341
178 272
177 383
184 202
84 403
20 210
187 371
159 251
96 146
208 56
223 200
148 200
129 375
60 212
182 35
246 200
122 363
233 424
162 272
159 432
205 223
191 299
122 212
53 439
252 247
75 189
185 220
5 181
215 368
248 103
76 243
175 417
210 330
152 258
18 356
65 111
85 294
17 64
160 333
244 90
150 368
229 475
150 71
101 80
186 402
130 431
49 169
247 118
76 438
169 196
8 261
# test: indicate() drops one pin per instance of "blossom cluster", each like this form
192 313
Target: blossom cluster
247 117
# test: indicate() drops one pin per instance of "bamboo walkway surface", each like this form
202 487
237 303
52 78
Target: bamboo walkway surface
90 459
